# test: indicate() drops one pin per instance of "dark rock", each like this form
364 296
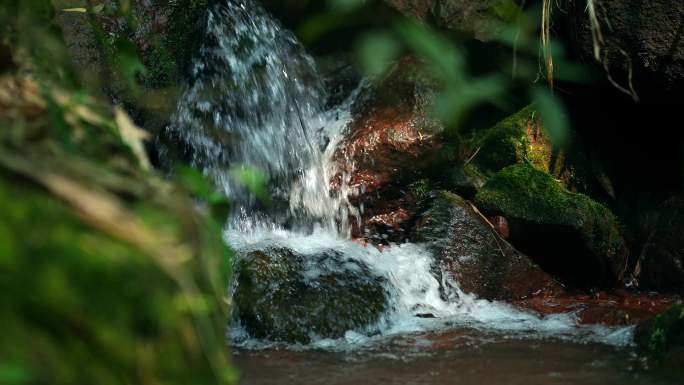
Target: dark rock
466 180
662 257
478 18
644 38
663 336
284 296
468 248
571 236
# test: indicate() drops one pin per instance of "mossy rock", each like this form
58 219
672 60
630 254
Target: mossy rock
521 138
516 139
110 274
568 234
663 336
281 295
468 249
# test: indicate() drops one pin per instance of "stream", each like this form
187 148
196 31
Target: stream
256 102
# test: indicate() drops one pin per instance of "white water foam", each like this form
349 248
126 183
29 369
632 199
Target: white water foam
255 99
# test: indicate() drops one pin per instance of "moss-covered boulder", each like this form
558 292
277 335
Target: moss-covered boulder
281 295
473 254
516 139
568 234
663 336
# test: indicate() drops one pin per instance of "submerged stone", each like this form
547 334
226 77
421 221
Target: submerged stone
281 295
568 234
470 251
663 336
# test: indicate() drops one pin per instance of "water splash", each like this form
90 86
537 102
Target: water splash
255 99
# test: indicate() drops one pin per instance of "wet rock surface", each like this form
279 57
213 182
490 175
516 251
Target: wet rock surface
662 257
643 40
470 251
663 336
392 142
284 296
571 236
474 17
616 308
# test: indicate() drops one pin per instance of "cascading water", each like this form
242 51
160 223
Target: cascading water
255 100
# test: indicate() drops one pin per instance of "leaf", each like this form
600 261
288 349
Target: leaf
75 10
553 115
254 179
376 52
133 136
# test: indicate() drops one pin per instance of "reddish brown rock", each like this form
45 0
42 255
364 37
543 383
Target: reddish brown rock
391 143
615 308
500 224
472 253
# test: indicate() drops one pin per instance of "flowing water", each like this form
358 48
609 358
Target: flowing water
255 101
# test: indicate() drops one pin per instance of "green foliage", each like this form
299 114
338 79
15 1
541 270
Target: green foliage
112 274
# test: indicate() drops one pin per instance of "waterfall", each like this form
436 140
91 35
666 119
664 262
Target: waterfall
255 100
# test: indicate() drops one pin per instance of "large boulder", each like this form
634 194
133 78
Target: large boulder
662 256
478 18
474 255
281 295
392 142
568 234
663 336
641 41
521 138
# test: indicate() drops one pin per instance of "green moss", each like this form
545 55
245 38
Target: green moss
112 273
420 188
284 296
518 138
662 333
521 192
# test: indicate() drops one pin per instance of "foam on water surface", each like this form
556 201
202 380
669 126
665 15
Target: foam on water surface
255 99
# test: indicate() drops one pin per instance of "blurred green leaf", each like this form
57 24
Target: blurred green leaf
345 5
127 61
377 52
255 180
553 115
13 373
446 61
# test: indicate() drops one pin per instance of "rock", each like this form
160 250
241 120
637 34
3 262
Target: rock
500 224
284 296
392 142
466 180
617 308
663 336
641 37
662 257
478 18
468 248
569 235
518 138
